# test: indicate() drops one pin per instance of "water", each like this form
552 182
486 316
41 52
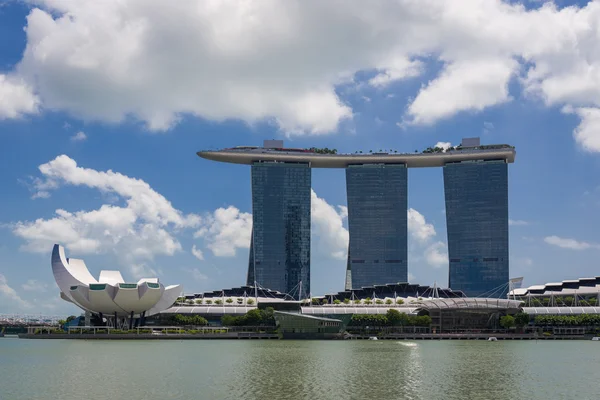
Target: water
265 370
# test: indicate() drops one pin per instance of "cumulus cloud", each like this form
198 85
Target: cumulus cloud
11 296
328 225
79 137
418 228
257 61
568 243
587 133
463 85
16 98
136 232
436 254
443 145
225 231
197 253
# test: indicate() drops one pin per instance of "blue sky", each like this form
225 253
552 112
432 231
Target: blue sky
91 87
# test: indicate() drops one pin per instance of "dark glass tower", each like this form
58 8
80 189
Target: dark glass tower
280 245
477 221
378 224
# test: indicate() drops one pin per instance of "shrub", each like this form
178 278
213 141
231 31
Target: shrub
346 301
388 301
379 301
198 301
208 301
250 302
229 301
336 301
193 320
218 301
357 301
399 301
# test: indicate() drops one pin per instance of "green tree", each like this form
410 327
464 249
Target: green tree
379 301
324 301
336 301
315 301
394 317
209 301
228 320
521 319
357 301
388 301
229 300
507 321
400 301
250 302
218 301
368 300
198 301
346 301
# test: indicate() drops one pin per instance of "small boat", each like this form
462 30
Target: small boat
492 339
596 338
372 338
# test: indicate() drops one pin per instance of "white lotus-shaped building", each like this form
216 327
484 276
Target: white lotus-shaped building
109 295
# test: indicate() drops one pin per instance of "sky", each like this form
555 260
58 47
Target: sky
103 105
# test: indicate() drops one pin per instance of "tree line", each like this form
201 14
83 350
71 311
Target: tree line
254 317
391 318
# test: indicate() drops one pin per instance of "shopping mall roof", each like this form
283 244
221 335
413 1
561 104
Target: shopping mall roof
572 286
561 310
469 303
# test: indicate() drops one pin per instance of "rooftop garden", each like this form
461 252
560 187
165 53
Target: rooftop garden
323 150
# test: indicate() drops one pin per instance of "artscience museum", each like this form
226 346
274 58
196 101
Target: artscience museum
109 297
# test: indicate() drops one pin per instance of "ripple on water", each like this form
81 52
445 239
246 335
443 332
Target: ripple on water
262 370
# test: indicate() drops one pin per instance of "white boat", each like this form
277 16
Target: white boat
372 338
492 339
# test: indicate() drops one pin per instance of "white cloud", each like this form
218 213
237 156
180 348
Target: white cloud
135 233
16 98
587 133
79 137
328 225
567 243
226 230
517 222
437 254
397 69
33 285
197 253
257 61
418 228
463 85
11 296
443 145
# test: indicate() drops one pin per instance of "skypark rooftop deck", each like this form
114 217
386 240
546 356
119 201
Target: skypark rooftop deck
249 155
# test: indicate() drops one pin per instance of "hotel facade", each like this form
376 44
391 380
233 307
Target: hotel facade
476 195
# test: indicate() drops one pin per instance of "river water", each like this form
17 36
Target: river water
272 369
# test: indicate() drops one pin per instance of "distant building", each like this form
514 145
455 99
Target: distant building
280 244
377 221
477 224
